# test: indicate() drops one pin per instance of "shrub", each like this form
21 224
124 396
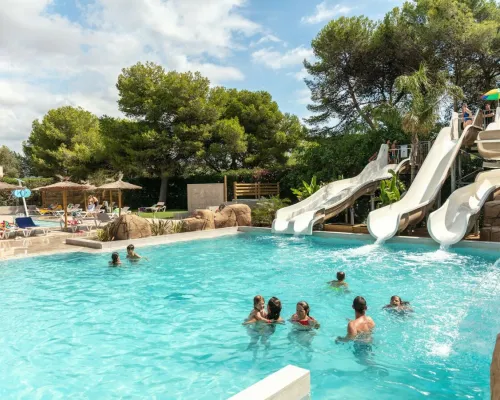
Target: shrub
307 189
265 211
165 227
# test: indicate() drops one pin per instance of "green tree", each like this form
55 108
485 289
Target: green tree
424 97
270 134
67 141
175 109
460 38
10 161
357 63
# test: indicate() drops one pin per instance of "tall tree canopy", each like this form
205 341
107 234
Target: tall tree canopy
10 161
358 60
67 141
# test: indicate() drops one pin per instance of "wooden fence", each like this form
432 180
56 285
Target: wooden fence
256 190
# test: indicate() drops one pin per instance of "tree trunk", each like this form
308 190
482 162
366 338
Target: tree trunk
414 155
163 188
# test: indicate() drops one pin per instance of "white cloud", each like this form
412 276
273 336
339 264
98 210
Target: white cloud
303 96
274 59
326 11
47 60
300 75
266 39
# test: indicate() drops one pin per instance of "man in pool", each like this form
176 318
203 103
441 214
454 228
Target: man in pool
131 254
362 324
340 282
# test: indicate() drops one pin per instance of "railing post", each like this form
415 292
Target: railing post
235 192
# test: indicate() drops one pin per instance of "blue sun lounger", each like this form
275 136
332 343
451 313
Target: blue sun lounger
28 223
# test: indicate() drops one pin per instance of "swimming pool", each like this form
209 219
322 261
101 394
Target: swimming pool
47 223
171 327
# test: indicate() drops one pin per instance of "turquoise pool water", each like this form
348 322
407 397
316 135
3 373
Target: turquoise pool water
170 328
47 223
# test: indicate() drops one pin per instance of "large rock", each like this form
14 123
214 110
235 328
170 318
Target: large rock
495 371
496 194
490 234
130 227
233 215
492 213
202 220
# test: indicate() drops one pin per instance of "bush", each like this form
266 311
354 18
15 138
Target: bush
165 227
104 234
265 211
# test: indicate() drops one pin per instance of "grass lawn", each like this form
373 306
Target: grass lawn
161 215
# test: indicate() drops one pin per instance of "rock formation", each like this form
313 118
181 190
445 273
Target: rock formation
129 227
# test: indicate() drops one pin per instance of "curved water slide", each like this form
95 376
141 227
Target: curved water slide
387 221
449 224
332 199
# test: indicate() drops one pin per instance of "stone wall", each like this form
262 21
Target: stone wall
204 195
491 225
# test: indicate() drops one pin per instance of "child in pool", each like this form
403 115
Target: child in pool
131 254
115 260
302 317
340 282
273 312
258 313
397 304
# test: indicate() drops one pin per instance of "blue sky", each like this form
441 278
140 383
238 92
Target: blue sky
70 52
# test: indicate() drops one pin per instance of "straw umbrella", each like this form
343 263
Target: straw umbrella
64 187
119 185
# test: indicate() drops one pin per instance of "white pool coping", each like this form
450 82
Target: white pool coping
289 383
153 240
365 237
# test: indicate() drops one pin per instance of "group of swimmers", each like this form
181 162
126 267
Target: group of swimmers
361 325
131 255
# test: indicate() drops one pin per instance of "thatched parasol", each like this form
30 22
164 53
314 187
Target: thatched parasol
119 185
64 187
8 186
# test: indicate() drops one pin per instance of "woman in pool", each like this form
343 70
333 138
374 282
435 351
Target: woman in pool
301 318
397 304
115 260
274 310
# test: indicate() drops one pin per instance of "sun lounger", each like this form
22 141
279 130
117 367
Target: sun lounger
28 226
160 206
102 218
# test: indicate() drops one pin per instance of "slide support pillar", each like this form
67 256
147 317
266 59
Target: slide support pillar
453 177
372 202
352 215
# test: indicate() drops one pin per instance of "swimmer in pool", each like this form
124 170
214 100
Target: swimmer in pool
302 318
115 260
397 304
258 313
132 255
340 282
361 325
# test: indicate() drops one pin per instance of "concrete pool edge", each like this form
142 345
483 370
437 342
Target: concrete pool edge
365 237
153 240
288 383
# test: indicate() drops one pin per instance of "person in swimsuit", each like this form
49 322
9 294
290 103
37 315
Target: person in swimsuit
258 313
396 304
340 283
302 318
489 115
466 115
362 324
131 254
115 260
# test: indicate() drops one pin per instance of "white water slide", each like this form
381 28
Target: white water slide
333 198
387 221
454 219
